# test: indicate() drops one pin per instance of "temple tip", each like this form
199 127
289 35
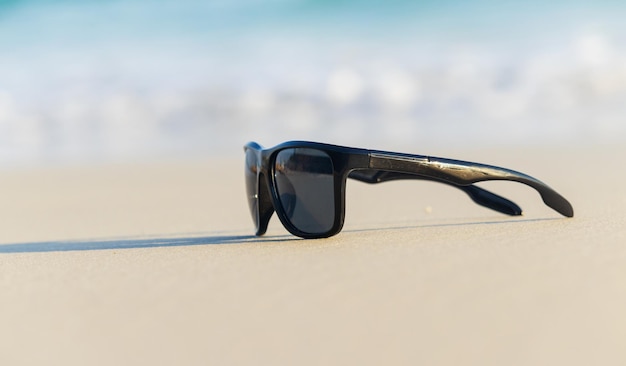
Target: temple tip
491 200
559 204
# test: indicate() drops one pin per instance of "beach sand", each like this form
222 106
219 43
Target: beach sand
155 264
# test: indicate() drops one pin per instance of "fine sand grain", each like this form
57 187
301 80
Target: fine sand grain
154 264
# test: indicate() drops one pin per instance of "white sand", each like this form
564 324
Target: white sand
165 271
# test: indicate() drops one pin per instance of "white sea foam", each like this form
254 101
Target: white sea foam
117 98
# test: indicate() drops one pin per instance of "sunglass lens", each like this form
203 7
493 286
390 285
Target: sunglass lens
252 185
305 186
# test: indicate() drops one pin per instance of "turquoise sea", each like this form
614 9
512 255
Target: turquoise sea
109 80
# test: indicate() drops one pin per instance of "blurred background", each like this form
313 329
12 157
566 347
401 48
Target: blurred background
98 81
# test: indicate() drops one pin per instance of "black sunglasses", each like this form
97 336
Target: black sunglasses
305 183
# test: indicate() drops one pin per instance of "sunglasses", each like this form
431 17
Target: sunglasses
305 183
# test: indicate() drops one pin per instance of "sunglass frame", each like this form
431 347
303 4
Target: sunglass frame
348 159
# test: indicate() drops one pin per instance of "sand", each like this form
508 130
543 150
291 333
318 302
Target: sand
154 263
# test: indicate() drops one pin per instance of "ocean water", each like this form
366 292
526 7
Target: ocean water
113 80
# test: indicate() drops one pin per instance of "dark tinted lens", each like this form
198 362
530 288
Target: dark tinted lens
252 185
304 181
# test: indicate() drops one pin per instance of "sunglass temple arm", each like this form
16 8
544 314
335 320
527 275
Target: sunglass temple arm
479 195
463 173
